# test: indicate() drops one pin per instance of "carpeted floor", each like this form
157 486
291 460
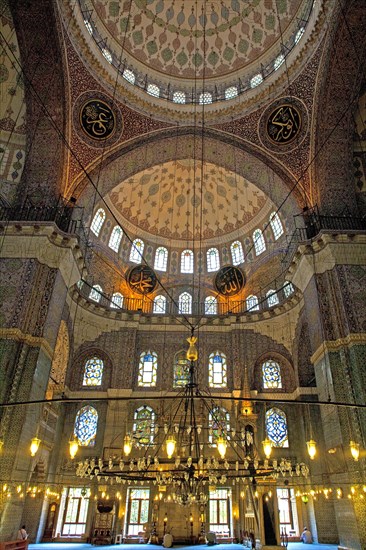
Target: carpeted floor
77 546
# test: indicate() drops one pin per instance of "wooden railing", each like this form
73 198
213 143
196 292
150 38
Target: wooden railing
14 545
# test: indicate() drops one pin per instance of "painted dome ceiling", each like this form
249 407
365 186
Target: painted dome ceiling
171 37
166 203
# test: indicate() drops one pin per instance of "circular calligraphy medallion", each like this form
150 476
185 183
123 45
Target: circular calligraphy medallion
229 280
142 279
97 119
283 125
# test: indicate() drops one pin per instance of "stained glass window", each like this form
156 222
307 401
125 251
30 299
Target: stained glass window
272 298
252 303
98 221
217 370
137 249
138 510
93 372
213 259
144 425
161 258
117 301
95 293
210 305
259 242
185 303
237 253
276 225
181 369
271 375
159 304
85 428
218 424
186 261
276 427
288 289
148 369
115 238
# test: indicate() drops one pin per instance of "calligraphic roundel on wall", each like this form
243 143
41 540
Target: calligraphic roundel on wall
229 280
97 119
142 279
283 125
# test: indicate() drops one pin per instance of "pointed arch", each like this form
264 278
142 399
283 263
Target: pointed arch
237 253
217 370
185 303
115 238
98 221
259 242
86 425
137 250
276 427
187 261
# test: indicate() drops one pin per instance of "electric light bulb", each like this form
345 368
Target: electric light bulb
267 447
355 450
221 446
170 446
73 447
311 448
34 446
127 444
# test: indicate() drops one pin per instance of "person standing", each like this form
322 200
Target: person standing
22 533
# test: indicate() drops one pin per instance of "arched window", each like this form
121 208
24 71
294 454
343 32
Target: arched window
98 221
185 303
288 289
259 242
137 250
115 238
205 98
96 293
85 427
276 225
159 304
117 300
299 35
272 298
161 258
218 424
179 97
148 369
276 427
256 80
93 372
217 370
180 369
271 372
107 54
252 303
278 61
144 425
129 76
213 259
231 92
186 261
153 89
237 253
210 305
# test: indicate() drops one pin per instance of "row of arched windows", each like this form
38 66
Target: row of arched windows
86 425
148 367
187 256
185 301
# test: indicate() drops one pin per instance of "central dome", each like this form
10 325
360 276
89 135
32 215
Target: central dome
169 202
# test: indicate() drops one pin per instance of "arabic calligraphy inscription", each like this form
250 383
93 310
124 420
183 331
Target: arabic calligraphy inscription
142 279
97 119
229 281
284 124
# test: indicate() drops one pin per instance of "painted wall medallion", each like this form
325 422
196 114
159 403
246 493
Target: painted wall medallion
97 119
283 125
229 280
142 279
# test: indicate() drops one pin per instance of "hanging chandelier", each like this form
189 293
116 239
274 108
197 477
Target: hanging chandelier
179 461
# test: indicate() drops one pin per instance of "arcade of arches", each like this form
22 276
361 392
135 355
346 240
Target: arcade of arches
168 170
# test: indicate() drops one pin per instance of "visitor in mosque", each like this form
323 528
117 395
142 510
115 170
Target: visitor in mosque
22 533
306 536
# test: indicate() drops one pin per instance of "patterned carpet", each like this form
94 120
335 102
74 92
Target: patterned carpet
77 546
